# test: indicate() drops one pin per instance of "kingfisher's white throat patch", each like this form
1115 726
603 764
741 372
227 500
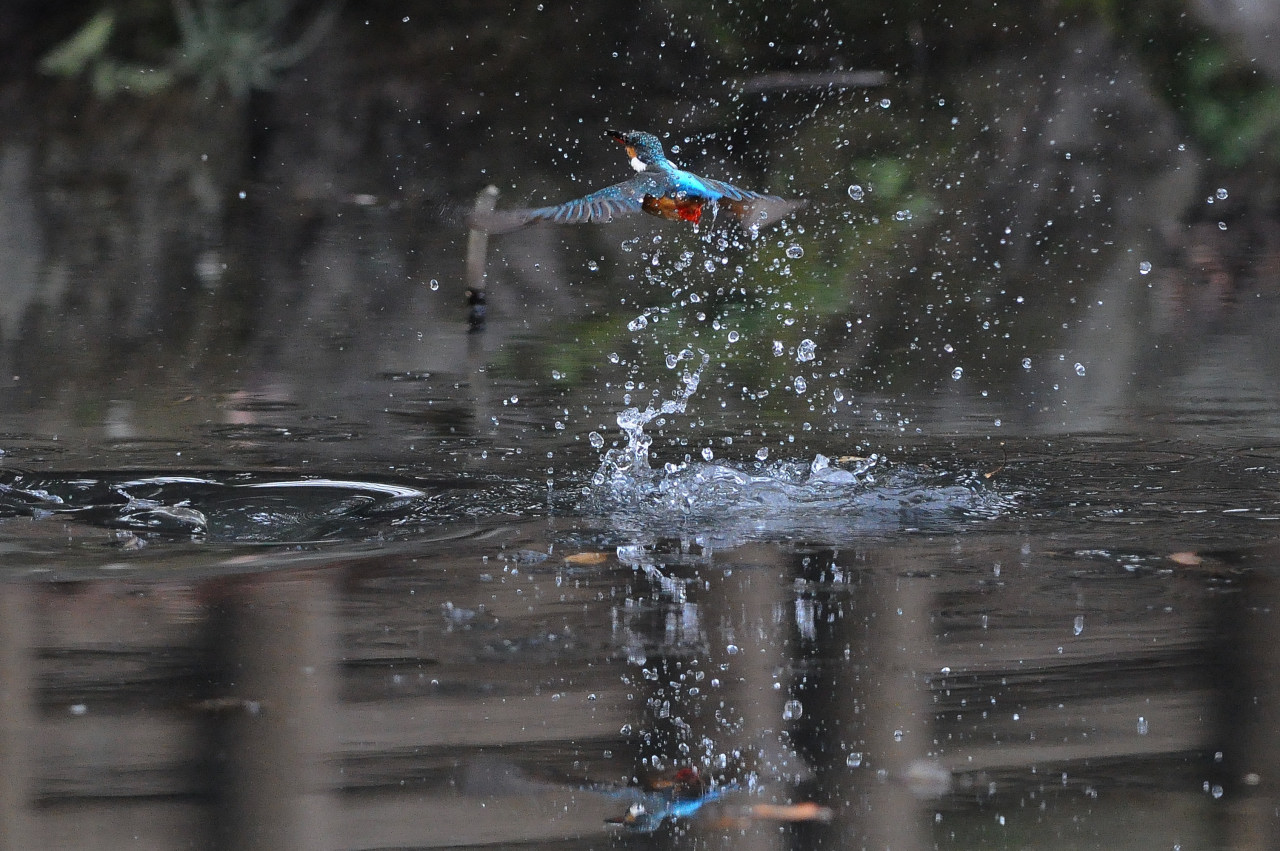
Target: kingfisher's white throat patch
637 164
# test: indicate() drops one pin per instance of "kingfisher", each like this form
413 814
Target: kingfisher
660 188
678 796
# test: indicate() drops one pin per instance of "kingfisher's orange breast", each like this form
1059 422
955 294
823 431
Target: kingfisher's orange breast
685 209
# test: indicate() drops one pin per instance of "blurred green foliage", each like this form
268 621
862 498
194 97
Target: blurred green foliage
1231 109
234 45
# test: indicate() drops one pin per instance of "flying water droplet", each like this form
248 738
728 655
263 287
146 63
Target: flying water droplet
800 384
1078 626
806 351
794 251
1144 268
957 373
1080 369
855 192
854 759
762 453
791 710
1026 363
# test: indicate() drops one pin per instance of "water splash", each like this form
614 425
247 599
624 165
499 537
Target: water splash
626 469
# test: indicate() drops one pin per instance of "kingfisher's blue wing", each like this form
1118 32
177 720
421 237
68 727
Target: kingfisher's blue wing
751 208
604 205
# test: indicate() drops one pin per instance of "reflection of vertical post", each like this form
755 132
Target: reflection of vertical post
890 641
274 643
746 602
1252 700
17 716
477 248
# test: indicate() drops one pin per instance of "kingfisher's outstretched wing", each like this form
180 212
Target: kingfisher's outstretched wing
604 205
751 208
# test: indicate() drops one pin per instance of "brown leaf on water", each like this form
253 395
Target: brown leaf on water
586 558
1186 559
1003 461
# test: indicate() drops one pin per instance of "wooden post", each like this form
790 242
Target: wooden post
477 247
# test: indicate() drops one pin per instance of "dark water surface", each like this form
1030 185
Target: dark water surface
959 529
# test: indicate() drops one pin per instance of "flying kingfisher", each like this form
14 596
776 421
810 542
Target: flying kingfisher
659 188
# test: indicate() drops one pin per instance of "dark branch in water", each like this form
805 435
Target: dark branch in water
791 80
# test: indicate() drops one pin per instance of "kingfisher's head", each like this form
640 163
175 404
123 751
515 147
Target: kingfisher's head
643 149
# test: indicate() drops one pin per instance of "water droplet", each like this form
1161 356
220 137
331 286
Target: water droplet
596 440
1142 726
733 336
1026 363
800 384
791 710
732 650
855 192
903 215
556 375
1221 193
672 361
897 735
709 265
778 348
1078 626
639 323
1222 225
708 454
948 348
434 284
854 759
762 453
1079 369
957 373
1144 268
794 251
806 351
593 266
885 103
837 394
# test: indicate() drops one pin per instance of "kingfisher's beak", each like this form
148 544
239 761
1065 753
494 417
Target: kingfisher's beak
616 135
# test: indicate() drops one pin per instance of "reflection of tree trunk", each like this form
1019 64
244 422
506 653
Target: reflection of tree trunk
891 643
17 716
1251 699
745 600
274 643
